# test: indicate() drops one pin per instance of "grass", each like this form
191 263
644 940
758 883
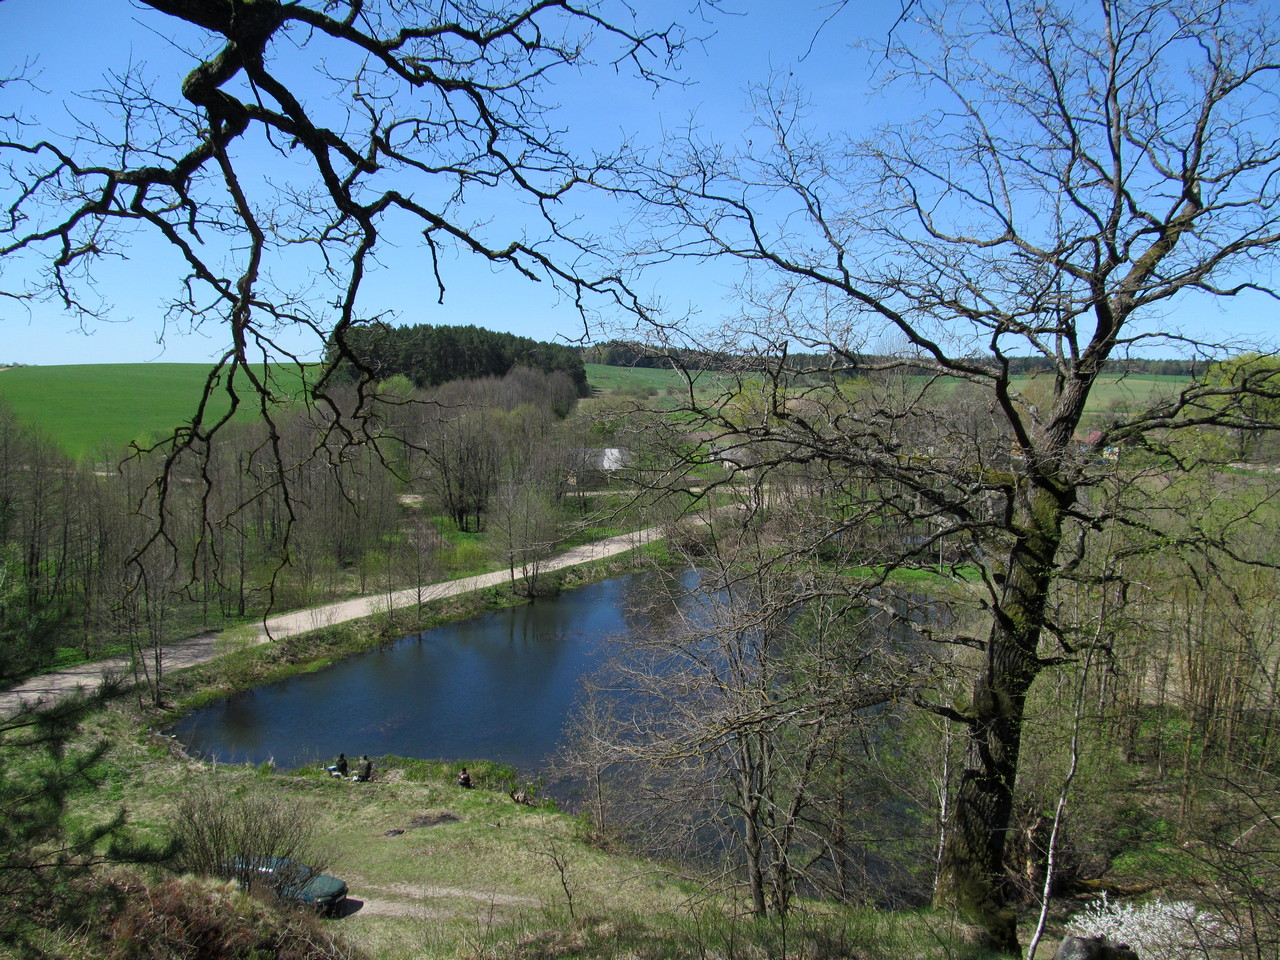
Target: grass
98 410
638 381
440 872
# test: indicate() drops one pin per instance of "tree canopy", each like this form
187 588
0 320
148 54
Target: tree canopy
431 355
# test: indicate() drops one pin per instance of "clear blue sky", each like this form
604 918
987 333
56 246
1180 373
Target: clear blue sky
74 42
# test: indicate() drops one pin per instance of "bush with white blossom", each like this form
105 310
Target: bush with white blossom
1156 930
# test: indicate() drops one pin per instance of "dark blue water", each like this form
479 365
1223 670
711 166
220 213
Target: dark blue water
500 687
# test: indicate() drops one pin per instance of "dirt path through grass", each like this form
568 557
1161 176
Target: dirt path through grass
203 648
428 902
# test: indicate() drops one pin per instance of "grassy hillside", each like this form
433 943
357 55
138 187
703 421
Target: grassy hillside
440 873
93 410
99 409
1109 392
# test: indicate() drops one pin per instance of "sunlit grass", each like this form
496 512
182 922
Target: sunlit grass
95 411
436 871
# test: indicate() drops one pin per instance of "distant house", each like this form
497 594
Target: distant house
730 451
594 465
1091 444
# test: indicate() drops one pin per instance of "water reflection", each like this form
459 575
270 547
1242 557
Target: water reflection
500 687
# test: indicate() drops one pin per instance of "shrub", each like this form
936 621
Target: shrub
229 830
465 557
1175 930
47 851
185 918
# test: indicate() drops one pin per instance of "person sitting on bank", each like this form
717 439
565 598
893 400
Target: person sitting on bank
340 768
464 779
365 773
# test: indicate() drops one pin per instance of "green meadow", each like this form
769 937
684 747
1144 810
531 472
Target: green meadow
1110 393
97 410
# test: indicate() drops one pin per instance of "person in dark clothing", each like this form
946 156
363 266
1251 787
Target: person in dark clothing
365 773
339 769
464 779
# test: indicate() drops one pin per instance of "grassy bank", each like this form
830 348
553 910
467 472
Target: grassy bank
440 872
436 871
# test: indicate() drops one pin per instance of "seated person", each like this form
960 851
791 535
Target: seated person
365 773
464 779
339 769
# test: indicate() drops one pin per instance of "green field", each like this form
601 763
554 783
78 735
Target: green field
1108 392
97 410
642 379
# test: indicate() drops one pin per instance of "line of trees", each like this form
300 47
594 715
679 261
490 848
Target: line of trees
100 557
428 356
633 353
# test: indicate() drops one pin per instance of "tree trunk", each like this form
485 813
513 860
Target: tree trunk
972 876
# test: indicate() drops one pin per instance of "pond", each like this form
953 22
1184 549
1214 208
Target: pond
500 687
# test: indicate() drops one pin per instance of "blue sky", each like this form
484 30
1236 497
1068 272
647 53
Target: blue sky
73 42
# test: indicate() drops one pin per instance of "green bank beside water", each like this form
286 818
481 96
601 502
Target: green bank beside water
439 872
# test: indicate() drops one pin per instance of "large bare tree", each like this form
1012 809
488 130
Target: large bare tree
1082 168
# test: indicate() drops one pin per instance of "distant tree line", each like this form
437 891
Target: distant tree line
432 355
429 356
624 353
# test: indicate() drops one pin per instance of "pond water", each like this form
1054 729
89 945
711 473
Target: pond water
500 687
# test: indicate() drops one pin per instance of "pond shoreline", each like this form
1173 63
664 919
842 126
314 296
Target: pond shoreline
330 624
249 666
500 684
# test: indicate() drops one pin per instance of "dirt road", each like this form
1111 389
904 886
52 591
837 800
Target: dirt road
201 649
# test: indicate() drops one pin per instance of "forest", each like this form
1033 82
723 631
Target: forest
428 356
84 567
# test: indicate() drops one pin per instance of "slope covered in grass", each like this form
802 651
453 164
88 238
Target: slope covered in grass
93 410
97 410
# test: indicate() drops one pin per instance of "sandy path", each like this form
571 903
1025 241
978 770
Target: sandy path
201 649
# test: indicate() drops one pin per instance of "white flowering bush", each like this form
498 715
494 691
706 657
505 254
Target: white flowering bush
1156 930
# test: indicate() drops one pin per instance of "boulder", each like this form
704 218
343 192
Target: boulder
1093 948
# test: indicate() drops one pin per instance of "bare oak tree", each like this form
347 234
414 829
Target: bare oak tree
1082 167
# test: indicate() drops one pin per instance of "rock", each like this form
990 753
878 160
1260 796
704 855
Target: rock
1093 948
